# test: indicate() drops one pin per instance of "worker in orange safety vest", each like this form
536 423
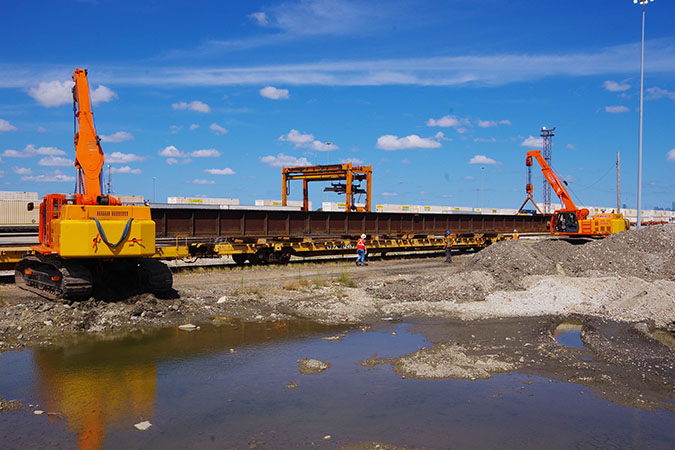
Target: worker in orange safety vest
515 235
361 251
447 244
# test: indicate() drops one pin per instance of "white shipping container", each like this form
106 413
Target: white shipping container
203 200
125 199
15 213
278 203
16 195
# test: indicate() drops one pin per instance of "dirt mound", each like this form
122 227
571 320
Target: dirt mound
648 254
509 261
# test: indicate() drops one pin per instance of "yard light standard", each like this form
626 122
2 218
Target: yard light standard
482 172
643 3
328 146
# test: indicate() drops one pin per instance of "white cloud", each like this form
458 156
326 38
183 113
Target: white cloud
122 158
307 141
616 109
22 170
486 123
125 169
492 123
655 93
175 129
171 151
31 150
282 160
492 139
533 142
389 194
297 138
52 93
613 86
274 93
260 18
172 161
571 146
193 127
469 69
391 142
225 171
216 128
2 173
482 159
42 130
405 161
6 126
468 178
192 106
52 177
207 153
102 94
323 146
447 121
55 161
671 155
354 161
201 181
120 136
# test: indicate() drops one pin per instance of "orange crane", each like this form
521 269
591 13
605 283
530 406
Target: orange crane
75 254
570 220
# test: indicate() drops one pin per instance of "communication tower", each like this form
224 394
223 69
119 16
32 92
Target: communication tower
547 134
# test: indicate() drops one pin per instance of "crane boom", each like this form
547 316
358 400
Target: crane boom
89 156
554 180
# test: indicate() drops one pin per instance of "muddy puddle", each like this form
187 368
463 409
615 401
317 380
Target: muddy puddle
569 334
232 384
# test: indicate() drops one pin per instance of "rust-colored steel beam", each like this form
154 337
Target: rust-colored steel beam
243 223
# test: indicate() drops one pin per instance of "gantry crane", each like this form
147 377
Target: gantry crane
88 239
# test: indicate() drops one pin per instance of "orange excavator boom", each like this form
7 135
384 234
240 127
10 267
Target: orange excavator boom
89 156
554 180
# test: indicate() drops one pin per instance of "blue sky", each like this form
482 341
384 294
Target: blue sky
443 98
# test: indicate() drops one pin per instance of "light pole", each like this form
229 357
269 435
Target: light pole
643 3
328 145
153 189
482 172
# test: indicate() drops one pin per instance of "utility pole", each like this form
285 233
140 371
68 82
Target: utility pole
547 134
618 184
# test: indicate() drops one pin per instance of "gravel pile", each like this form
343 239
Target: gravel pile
648 254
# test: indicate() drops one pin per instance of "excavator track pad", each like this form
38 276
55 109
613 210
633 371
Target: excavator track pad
54 278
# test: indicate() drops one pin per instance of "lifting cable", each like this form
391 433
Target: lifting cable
125 233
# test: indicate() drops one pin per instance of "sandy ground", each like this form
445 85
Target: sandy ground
622 288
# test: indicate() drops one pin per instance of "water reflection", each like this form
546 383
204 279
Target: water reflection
96 385
569 334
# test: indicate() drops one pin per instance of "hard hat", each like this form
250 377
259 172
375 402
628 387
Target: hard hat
515 231
363 236
447 232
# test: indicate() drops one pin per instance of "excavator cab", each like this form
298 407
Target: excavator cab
565 222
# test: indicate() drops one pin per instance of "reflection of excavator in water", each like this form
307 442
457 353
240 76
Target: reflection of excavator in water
570 220
74 253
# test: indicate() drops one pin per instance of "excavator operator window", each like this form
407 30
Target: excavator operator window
567 222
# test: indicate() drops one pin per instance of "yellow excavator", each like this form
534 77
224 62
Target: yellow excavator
90 240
